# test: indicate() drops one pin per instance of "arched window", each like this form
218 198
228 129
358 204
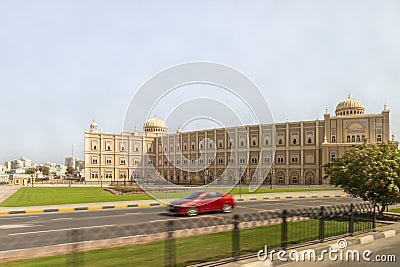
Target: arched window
309 140
353 138
280 141
362 138
333 139
379 138
333 156
294 141
358 138
348 138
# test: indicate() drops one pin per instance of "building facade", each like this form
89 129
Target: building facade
289 153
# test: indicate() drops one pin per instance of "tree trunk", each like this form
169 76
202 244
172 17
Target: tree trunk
381 209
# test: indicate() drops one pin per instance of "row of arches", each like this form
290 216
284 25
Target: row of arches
280 177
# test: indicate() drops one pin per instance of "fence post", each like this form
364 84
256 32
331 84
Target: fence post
284 233
75 259
170 249
321 224
374 219
235 237
351 220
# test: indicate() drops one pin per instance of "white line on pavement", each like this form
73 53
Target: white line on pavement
62 219
67 229
13 226
18 217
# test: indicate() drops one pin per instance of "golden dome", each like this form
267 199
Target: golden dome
155 125
350 106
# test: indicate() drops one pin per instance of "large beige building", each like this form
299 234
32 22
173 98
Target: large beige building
283 153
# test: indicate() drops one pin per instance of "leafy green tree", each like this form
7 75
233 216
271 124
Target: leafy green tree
30 171
70 171
44 170
368 171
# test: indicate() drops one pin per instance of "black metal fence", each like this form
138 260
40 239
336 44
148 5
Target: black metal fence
183 241
278 230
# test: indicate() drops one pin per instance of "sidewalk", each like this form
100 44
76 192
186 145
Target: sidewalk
6 191
163 202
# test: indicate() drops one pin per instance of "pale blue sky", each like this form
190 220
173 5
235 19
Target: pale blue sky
63 63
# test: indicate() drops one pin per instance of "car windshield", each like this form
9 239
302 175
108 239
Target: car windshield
193 195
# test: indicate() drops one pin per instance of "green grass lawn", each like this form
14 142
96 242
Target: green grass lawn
39 196
395 210
190 250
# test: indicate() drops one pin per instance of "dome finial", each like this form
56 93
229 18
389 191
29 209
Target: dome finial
326 110
385 106
349 94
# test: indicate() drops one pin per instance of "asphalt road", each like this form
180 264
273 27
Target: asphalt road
35 230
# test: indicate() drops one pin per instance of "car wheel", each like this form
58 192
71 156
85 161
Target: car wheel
192 211
227 208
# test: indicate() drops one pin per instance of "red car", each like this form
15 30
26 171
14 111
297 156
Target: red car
202 201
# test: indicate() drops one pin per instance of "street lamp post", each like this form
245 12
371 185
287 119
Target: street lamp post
270 179
240 182
206 172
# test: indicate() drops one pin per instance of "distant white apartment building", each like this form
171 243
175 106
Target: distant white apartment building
4 176
22 163
75 163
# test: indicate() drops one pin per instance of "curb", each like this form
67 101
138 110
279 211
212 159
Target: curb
155 204
289 197
140 205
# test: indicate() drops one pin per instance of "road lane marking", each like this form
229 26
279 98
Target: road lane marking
248 208
298 205
18 217
275 210
62 219
13 226
66 229
175 219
